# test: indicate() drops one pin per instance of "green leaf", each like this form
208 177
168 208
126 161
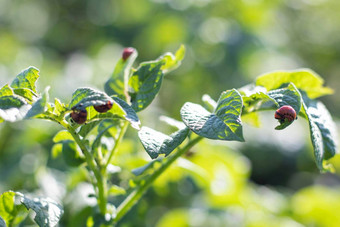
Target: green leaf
145 83
130 115
59 107
6 91
115 84
13 101
287 96
223 124
7 206
156 143
87 128
40 106
150 165
172 62
13 108
115 190
72 154
256 98
11 213
61 136
304 79
85 97
322 130
57 149
26 93
48 212
26 79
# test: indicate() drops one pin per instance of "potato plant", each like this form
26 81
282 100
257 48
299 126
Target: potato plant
94 123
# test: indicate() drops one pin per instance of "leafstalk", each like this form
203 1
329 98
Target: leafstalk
138 192
101 179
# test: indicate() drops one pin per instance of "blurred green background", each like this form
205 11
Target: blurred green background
271 180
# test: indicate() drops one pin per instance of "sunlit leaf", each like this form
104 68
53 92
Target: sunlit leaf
116 190
303 79
7 206
172 62
6 91
59 107
26 79
13 108
287 96
26 93
62 135
85 97
145 83
10 212
223 124
40 106
115 85
48 212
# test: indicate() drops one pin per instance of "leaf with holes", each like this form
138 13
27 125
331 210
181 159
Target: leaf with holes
287 96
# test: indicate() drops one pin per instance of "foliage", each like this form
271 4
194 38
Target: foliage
95 144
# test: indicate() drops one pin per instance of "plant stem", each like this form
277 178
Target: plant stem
138 192
117 142
101 179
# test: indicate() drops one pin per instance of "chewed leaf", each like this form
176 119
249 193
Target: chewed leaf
85 97
223 124
145 84
322 129
40 106
172 62
6 91
115 85
26 79
156 143
48 212
304 79
289 96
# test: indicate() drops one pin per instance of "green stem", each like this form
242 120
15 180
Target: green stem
101 179
138 192
117 142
